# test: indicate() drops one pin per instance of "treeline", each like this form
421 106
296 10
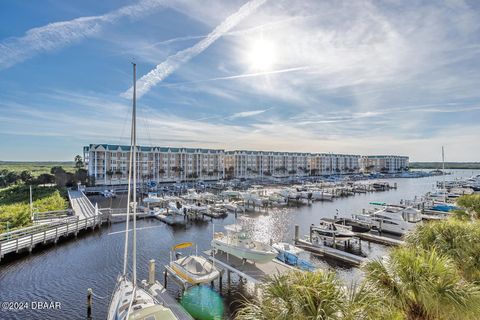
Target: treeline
448 165
434 275
58 176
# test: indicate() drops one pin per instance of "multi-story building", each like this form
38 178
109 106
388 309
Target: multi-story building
384 163
253 164
329 163
109 164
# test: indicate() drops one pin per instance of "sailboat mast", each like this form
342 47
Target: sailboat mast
129 193
134 138
443 173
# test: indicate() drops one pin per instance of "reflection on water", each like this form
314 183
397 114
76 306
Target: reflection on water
65 271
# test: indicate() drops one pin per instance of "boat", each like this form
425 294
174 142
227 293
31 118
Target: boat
321 195
327 230
292 255
396 220
238 243
129 300
193 268
356 225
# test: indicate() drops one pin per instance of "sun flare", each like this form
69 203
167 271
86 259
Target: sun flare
261 55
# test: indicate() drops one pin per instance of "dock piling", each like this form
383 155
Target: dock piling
151 272
89 303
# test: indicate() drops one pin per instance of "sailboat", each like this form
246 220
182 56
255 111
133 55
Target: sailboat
130 301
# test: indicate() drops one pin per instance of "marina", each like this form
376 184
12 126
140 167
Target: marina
274 225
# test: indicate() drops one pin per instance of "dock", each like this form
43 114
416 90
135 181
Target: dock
329 252
252 272
379 239
86 217
160 293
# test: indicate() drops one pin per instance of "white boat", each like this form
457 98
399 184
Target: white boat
251 198
332 231
194 269
130 301
395 220
321 195
238 243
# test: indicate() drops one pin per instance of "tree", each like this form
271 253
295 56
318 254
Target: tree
110 174
26 177
312 295
423 285
61 178
81 175
79 162
45 178
471 203
458 240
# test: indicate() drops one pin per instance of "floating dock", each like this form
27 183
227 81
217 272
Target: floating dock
329 252
379 239
252 272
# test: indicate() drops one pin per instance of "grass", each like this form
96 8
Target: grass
15 208
36 168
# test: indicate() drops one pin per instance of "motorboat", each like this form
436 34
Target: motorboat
396 220
193 268
238 243
129 300
292 255
356 225
327 230
321 195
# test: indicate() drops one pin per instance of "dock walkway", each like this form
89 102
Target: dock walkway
254 273
86 216
330 252
161 294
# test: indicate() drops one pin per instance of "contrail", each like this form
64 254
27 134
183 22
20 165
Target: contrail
59 34
173 62
245 75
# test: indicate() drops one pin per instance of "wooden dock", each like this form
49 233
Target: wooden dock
161 294
329 252
252 272
379 239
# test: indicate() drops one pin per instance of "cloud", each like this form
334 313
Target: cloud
59 34
173 62
246 114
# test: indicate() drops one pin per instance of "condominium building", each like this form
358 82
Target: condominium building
329 163
384 163
109 164
252 164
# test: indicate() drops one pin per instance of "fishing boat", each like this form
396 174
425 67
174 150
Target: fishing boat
238 243
193 268
129 300
327 230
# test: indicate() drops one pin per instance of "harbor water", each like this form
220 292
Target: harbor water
63 272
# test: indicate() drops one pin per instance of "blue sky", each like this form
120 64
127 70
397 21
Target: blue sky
363 77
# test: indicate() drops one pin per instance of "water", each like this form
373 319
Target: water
63 272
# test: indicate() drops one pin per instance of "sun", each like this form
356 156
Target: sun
261 55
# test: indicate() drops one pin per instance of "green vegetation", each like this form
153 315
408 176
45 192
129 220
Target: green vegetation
435 275
15 207
448 165
49 181
35 168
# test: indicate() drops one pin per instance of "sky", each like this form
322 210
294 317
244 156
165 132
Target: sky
356 77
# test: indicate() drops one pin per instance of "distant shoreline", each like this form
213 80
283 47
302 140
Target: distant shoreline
448 165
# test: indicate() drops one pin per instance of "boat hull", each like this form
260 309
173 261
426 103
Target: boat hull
244 253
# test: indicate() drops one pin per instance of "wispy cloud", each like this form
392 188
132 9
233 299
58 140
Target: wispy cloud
173 62
246 114
59 34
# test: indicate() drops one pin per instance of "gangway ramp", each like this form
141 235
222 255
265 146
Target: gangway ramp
81 205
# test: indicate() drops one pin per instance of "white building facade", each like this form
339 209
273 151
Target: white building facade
109 164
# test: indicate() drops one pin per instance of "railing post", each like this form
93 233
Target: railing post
44 236
17 246
56 234
31 242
